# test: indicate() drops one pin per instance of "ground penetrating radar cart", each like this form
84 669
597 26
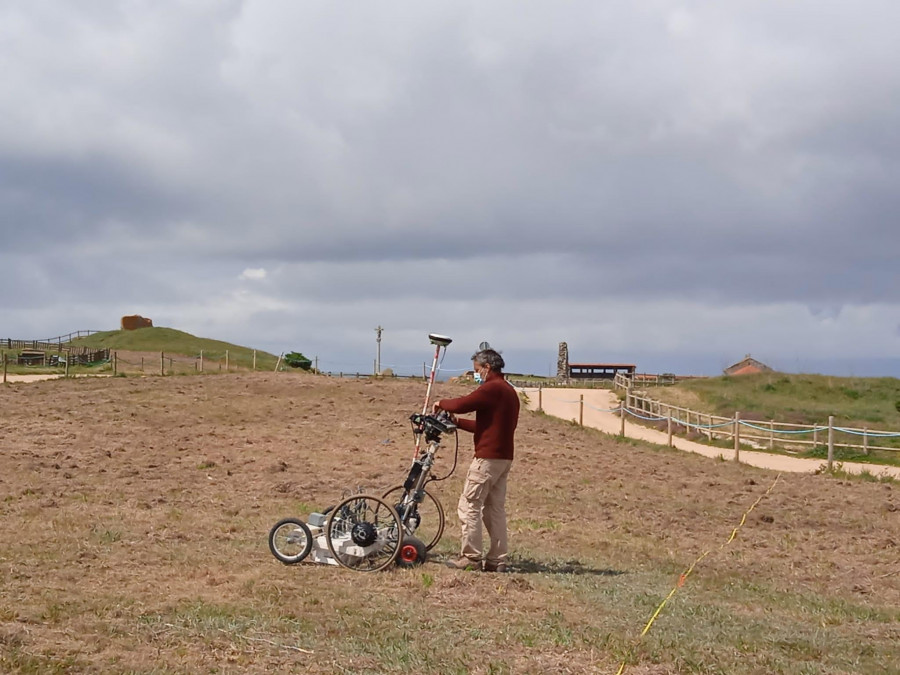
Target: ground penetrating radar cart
367 532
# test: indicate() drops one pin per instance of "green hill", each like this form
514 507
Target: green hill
795 398
171 341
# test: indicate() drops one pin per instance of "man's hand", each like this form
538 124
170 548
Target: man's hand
436 408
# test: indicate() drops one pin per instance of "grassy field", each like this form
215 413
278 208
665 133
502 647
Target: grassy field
857 403
798 399
177 342
139 351
135 513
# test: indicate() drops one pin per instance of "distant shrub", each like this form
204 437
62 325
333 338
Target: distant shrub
297 360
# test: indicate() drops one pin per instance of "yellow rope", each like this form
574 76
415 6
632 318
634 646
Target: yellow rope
684 575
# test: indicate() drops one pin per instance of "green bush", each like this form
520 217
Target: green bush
297 360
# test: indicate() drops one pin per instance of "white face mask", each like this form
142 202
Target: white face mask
478 378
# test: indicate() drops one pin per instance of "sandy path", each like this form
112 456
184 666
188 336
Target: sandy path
46 376
31 378
598 404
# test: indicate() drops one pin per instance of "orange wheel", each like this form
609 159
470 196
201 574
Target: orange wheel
412 552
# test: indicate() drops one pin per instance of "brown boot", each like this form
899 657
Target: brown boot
494 567
463 563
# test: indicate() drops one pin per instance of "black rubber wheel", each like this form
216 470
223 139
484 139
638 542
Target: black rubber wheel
412 552
290 540
425 520
363 533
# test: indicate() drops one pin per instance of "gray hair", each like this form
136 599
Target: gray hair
489 357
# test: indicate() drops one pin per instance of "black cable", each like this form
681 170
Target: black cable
453 468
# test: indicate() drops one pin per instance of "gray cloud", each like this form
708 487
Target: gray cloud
740 156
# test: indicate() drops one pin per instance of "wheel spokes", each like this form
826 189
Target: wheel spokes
425 520
363 533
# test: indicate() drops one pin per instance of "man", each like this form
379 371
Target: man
496 407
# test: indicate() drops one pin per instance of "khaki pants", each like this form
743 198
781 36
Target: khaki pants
484 500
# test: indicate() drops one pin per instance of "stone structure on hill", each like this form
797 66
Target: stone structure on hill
135 321
748 366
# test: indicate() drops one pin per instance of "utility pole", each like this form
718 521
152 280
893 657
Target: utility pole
378 332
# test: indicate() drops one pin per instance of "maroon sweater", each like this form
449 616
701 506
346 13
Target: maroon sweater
496 407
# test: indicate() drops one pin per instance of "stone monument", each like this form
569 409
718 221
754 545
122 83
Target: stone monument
562 363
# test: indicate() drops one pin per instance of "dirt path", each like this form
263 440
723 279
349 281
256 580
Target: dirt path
40 378
598 407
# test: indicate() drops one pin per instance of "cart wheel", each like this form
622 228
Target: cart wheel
412 552
363 533
425 520
290 540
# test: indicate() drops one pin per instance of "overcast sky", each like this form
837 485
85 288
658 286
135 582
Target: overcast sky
673 184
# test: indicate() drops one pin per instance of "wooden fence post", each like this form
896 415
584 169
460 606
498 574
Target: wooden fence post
622 418
581 410
4 367
737 436
254 359
162 363
771 434
115 363
865 440
830 441
540 398
201 360
670 428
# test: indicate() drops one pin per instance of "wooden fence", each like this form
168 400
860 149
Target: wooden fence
623 381
761 434
52 355
160 363
71 336
85 356
50 344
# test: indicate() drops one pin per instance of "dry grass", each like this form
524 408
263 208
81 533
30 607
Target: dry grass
135 513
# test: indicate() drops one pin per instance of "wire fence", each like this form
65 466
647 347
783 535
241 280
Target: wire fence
524 382
368 376
161 363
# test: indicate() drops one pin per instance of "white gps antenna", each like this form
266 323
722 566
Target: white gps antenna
439 340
